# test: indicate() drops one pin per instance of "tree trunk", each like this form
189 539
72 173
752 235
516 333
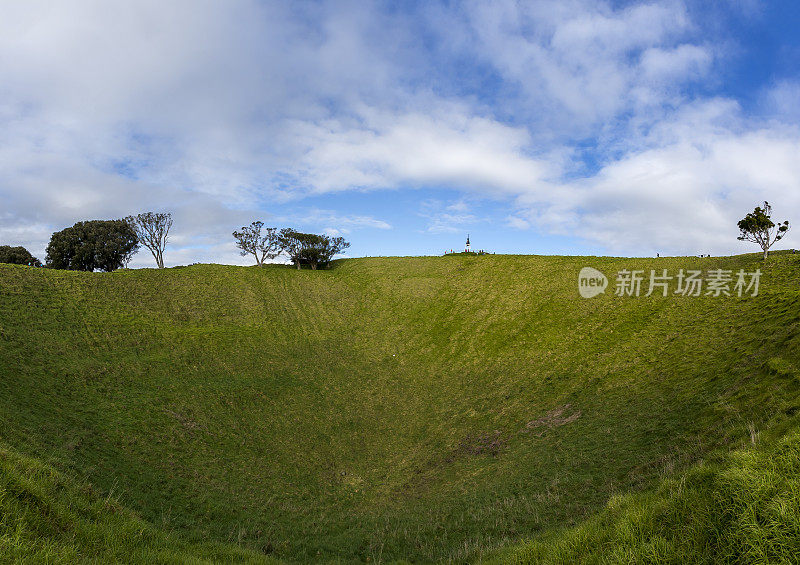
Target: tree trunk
766 252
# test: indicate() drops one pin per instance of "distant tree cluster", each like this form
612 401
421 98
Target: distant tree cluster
106 245
308 249
18 256
100 245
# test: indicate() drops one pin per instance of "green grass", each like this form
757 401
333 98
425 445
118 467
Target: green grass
46 517
740 508
443 408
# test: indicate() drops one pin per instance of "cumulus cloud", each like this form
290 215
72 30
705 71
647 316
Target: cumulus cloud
449 147
579 115
684 193
107 110
580 64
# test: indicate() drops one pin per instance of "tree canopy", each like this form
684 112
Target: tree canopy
103 245
310 249
258 241
18 256
758 227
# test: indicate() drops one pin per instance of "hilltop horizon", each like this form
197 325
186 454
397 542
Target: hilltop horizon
593 128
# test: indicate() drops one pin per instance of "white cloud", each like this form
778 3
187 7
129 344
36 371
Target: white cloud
107 110
345 222
459 205
680 196
221 112
450 147
453 217
581 63
667 65
782 101
518 223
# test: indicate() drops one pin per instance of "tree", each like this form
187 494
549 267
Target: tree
18 256
324 250
252 241
152 231
759 228
310 249
289 242
103 245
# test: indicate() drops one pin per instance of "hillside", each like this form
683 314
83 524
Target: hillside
390 408
46 517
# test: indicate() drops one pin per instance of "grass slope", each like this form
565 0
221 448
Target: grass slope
46 517
742 507
416 408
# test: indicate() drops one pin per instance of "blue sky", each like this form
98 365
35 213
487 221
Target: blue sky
558 127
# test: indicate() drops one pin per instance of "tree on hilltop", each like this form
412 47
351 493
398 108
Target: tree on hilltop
263 245
103 245
310 249
289 242
18 256
323 249
152 231
758 227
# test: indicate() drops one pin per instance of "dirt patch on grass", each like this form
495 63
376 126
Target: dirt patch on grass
556 417
473 445
485 444
489 443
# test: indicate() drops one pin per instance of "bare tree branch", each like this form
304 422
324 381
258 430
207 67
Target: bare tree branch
251 241
152 229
